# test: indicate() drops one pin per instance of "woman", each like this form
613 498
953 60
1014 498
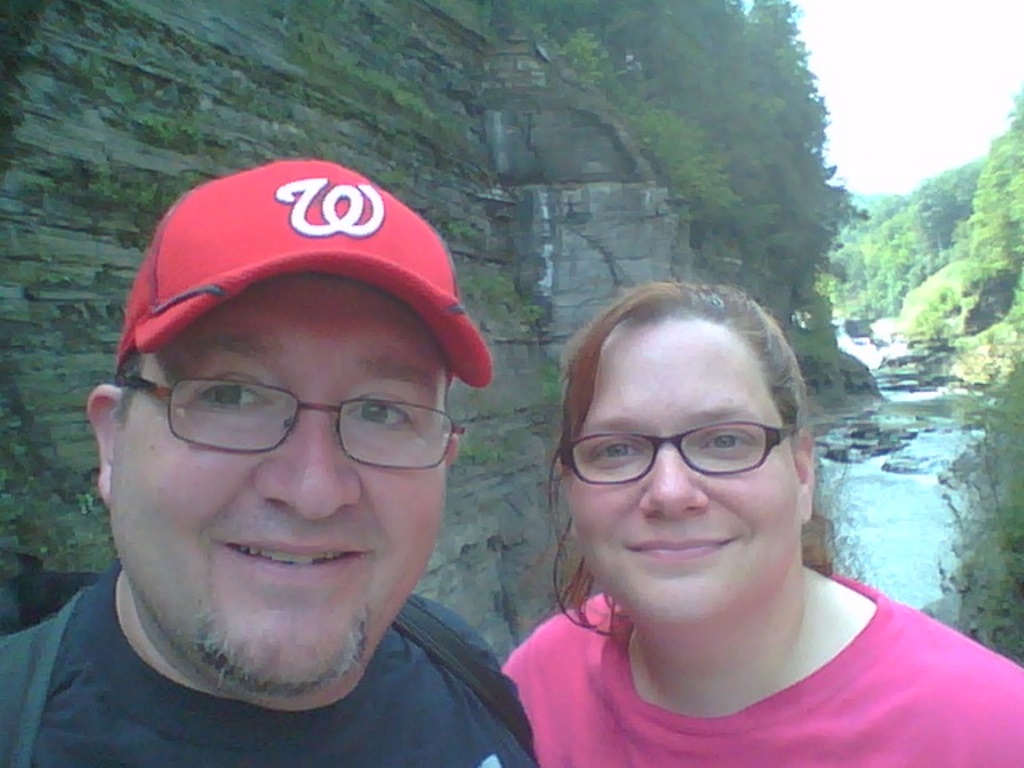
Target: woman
701 625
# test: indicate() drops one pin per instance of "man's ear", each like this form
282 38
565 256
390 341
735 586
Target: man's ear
103 409
453 449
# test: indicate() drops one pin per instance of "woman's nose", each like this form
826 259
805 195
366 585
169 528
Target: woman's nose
673 487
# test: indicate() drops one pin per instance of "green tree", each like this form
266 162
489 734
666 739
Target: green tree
997 226
723 101
902 240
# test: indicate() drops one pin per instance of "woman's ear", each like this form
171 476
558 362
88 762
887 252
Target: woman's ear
803 461
104 409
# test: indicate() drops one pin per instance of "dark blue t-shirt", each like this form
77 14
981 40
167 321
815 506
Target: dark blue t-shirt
108 708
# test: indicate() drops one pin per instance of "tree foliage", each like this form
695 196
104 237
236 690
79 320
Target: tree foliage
994 564
971 217
899 241
997 226
721 95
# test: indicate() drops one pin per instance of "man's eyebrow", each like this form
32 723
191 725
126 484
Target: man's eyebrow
244 345
387 367
177 359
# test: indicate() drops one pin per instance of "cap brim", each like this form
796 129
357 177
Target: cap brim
461 342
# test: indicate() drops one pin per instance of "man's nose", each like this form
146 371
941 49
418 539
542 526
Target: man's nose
309 472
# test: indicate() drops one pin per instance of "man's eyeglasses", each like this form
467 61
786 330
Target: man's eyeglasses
726 448
253 418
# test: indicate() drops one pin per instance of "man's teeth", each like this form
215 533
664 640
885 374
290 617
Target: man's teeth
291 559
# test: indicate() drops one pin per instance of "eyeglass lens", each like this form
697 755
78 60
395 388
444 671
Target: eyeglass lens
253 417
724 448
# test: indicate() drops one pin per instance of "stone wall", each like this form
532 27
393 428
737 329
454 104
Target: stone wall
122 106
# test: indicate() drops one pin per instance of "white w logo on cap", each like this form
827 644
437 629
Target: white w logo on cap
300 195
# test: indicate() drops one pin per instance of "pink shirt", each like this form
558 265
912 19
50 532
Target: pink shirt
908 691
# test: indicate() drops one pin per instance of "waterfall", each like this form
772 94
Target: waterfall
870 350
862 348
494 128
546 281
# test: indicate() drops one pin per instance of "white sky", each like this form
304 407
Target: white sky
913 87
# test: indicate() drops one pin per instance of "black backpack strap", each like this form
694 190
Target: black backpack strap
26 663
452 652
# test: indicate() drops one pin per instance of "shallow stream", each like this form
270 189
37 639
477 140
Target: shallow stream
896 530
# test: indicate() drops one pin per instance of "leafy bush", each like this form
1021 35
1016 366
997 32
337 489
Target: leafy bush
989 357
933 312
66 535
588 58
688 159
993 569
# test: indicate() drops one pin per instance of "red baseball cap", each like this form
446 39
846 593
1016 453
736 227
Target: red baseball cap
296 216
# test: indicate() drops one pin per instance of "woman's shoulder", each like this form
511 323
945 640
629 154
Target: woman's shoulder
941 647
923 649
550 642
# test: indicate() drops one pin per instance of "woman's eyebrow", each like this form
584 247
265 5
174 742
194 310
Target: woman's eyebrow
694 419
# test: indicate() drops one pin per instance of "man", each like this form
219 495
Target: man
273 455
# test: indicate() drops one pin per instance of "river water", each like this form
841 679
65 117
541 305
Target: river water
896 531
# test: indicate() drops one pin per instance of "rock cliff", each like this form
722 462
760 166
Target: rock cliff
112 109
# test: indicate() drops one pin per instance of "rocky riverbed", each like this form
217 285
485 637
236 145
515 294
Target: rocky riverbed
887 469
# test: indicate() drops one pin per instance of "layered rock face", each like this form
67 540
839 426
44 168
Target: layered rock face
111 110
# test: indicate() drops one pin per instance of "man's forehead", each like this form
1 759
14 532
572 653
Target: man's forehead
192 350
